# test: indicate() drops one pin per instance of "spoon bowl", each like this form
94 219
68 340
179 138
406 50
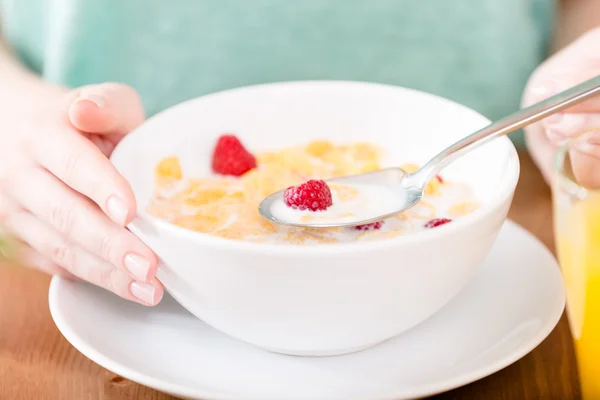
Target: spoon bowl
396 179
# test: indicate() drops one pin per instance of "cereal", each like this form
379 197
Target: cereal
379 234
168 171
368 166
319 147
463 208
205 196
227 206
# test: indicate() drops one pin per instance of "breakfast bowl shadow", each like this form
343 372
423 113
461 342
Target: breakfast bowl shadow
325 299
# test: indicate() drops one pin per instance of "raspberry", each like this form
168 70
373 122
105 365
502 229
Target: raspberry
313 195
368 227
437 222
230 157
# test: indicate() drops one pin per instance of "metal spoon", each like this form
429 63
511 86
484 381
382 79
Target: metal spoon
410 186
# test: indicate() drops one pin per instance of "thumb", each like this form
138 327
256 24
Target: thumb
106 109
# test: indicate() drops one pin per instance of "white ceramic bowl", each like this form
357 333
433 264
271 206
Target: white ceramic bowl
326 299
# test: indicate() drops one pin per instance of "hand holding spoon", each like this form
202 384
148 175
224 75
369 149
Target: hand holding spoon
410 187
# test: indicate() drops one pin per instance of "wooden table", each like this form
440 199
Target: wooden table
36 362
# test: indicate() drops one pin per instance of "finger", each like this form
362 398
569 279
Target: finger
108 108
567 68
79 262
77 218
81 165
585 162
31 258
563 126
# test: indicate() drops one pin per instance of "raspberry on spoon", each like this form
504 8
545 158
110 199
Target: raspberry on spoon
313 195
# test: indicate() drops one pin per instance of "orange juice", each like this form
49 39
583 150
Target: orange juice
578 245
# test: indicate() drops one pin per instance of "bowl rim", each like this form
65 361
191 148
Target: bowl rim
216 242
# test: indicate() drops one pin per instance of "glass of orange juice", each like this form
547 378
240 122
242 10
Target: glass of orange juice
577 231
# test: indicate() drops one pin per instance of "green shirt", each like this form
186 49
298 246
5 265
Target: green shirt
476 52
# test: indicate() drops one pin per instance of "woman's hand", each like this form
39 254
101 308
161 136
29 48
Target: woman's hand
64 201
574 64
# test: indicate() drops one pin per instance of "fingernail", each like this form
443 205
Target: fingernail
145 292
138 267
117 210
94 98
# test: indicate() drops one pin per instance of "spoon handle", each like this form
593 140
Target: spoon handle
511 123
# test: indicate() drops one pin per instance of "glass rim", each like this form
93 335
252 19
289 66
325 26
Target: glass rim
563 180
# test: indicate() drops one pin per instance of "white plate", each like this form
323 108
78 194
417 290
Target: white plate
512 304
